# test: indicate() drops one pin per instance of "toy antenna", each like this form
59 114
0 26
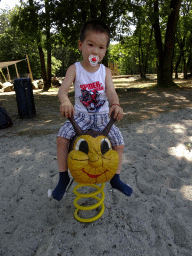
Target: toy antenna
109 125
75 126
105 131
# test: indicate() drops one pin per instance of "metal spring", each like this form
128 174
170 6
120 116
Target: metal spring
89 195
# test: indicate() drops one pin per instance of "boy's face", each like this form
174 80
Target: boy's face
94 44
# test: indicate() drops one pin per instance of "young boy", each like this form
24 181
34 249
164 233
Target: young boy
93 88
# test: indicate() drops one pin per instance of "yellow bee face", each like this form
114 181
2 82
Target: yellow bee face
92 160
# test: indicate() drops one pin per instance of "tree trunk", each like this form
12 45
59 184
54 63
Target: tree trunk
141 69
147 54
140 55
103 17
184 69
164 76
48 71
164 73
103 9
105 60
189 65
177 65
48 84
181 44
43 69
48 46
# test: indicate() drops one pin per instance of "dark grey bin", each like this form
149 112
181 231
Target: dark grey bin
24 96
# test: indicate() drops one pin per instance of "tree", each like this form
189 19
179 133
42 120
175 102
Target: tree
165 50
163 16
143 33
69 23
67 56
35 21
14 45
184 36
43 21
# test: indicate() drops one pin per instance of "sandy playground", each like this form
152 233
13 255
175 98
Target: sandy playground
156 220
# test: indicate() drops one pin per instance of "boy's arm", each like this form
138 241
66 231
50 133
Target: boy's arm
66 108
112 96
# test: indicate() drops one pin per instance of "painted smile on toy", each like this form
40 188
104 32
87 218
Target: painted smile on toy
94 176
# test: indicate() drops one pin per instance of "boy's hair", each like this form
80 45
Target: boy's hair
95 26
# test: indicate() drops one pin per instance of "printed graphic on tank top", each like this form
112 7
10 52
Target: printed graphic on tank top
90 97
90 93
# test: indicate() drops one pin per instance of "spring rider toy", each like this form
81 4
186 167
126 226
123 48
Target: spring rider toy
91 161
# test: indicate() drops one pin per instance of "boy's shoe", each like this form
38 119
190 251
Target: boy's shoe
60 189
116 183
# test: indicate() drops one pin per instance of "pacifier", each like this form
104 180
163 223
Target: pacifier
93 60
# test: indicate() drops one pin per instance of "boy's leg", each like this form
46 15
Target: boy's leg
119 149
62 154
115 181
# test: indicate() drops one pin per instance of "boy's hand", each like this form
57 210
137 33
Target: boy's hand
118 112
67 109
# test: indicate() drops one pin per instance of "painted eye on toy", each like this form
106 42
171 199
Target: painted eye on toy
105 145
82 146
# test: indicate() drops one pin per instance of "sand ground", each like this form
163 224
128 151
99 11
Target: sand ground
155 220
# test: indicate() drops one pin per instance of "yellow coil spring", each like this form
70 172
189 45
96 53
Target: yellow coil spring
89 195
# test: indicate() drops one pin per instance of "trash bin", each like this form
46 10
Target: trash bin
24 96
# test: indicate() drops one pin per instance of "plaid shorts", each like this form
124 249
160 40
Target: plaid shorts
94 122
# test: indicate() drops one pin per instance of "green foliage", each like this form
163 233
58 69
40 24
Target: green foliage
54 27
14 46
126 53
71 14
67 56
56 64
183 46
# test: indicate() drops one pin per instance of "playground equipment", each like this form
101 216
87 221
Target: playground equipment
91 161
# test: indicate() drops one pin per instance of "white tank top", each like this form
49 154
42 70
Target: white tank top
90 96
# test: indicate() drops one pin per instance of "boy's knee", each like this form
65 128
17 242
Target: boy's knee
118 148
62 141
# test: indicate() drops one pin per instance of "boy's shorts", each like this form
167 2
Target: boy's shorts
95 122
